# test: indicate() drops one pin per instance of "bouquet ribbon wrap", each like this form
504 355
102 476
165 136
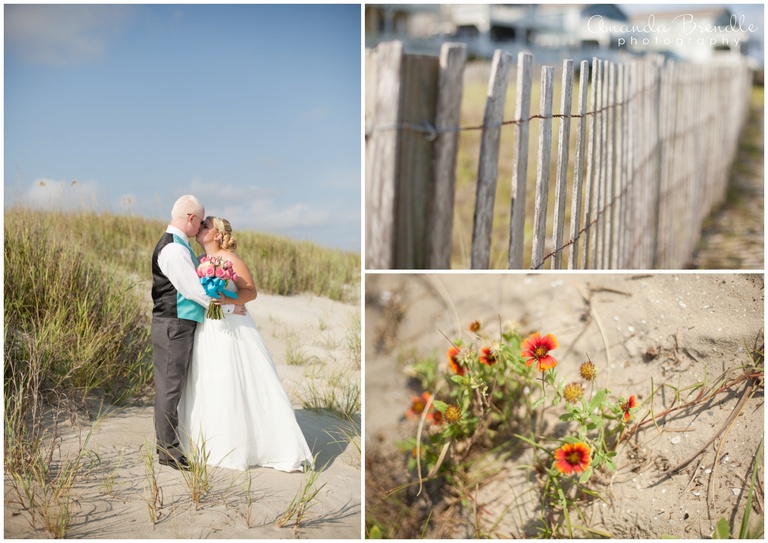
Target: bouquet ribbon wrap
214 286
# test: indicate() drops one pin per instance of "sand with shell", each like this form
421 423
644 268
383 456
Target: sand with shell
672 329
109 500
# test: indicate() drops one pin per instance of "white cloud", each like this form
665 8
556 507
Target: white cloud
62 35
63 195
256 208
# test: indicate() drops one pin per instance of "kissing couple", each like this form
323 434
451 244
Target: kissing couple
216 385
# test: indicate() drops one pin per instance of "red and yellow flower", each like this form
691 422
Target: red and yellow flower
626 406
536 348
456 365
418 403
573 458
487 356
474 326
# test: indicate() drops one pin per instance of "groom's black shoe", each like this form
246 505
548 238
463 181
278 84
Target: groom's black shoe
180 463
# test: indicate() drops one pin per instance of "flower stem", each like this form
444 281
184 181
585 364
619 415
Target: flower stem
540 421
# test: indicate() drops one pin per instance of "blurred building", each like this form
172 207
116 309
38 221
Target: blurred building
552 32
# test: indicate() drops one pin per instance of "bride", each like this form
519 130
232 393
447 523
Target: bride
233 402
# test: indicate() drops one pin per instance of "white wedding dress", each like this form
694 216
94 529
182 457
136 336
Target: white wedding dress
234 403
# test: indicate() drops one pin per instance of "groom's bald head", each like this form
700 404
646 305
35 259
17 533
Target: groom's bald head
185 205
187 215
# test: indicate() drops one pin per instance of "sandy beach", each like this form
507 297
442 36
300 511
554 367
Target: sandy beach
110 498
670 331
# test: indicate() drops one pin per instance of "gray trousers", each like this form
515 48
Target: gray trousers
172 341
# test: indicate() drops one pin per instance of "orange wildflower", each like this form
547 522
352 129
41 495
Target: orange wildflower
537 348
626 406
474 326
453 358
573 458
487 356
418 403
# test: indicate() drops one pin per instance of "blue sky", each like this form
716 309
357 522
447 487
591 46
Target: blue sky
255 109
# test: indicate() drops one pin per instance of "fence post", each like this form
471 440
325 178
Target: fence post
488 166
381 193
520 171
562 164
542 167
449 89
415 164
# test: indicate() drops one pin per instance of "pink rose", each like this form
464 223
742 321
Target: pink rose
234 276
210 272
220 273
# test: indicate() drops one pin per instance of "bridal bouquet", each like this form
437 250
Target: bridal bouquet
214 273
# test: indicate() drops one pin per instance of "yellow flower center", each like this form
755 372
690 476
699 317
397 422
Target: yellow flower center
540 351
574 458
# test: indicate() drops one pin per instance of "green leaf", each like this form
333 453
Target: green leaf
565 417
597 420
440 406
610 464
459 380
597 399
375 533
586 475
722 529
529 441
537 403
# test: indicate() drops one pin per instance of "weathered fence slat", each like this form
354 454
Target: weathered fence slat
563 143
542 167
416 161
380 212
593 165
581 137
610 172
520 168
440 228
488 166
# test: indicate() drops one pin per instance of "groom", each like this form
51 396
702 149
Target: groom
180 303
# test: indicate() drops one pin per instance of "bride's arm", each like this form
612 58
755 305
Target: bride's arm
246 290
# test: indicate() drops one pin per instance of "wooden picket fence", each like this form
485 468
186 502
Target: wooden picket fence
655 141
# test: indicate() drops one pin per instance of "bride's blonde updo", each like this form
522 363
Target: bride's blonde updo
222 226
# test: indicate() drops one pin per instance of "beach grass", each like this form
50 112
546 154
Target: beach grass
77 318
